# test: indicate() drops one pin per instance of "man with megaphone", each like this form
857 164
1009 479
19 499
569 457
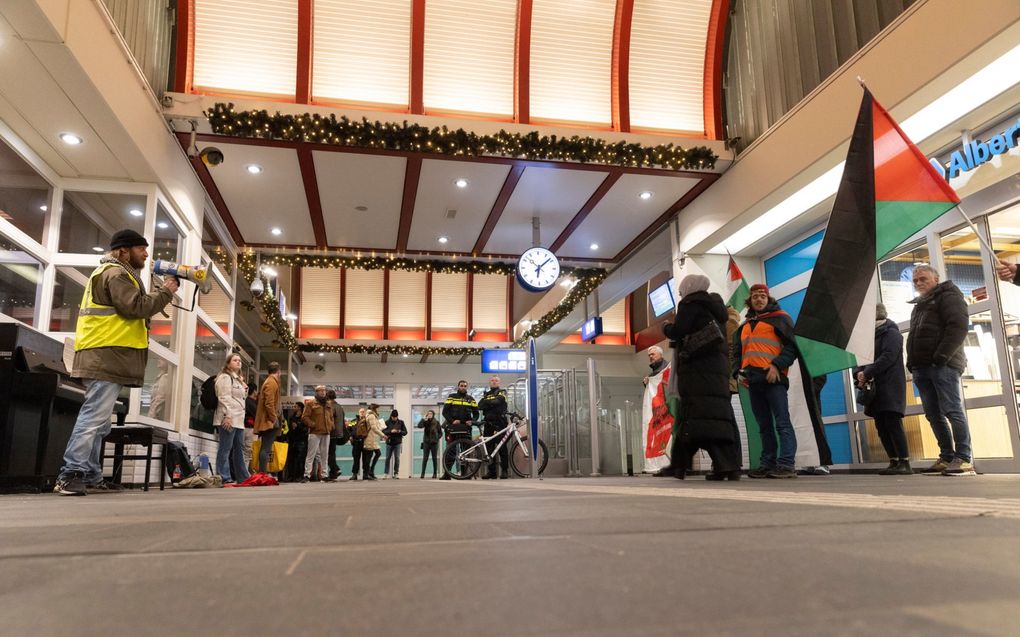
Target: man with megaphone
111 350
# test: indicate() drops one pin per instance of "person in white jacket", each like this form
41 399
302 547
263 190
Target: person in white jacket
370 455
231 392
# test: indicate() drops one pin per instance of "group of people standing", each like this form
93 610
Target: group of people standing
710 350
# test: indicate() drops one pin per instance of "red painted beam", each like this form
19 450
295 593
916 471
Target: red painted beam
470 303
509 308
411 175
386 304
417 75
522 63
586 209
714 45
303 87
221 206
498 207
428 306
621 65
343 306
311 183
295 297
184 57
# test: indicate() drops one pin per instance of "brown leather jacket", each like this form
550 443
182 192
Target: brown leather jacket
268 409
318 416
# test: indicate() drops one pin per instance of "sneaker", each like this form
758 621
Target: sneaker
821 470
759 473
104 487
353 478
782 473
303 480
396 477
892 469
73 484
903 469
960 467
937 468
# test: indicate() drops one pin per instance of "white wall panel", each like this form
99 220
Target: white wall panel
246 45
320 297
364 298
407 299
449 301
489 297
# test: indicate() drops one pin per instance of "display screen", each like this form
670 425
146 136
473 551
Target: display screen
662 299
514 361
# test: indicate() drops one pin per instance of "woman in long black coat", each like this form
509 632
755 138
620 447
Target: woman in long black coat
702 377
890 381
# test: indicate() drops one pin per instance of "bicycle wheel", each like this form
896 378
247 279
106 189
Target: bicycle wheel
520 458
461 461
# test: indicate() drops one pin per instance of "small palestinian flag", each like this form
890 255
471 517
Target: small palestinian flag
737 290
888 192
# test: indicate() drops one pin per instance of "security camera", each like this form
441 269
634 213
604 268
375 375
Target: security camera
257 288
211 156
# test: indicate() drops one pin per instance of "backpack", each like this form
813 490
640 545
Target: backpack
363 429
177 456
208 396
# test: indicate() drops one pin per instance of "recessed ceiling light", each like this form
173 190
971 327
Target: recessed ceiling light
276 231
44 207
162 225
443 239
98 248
135 212
646 195
461 183
593 246
405 355
70 139
361 208
268 271
253 169
321 354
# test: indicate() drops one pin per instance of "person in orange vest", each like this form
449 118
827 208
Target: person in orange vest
763 350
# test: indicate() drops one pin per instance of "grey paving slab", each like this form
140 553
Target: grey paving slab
842 555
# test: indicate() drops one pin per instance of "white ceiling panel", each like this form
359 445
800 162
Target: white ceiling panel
554 195
347 181
438 194
622 215
273 198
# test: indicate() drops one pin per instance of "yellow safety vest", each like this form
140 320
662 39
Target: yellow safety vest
101 326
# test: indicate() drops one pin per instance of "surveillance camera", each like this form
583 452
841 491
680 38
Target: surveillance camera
257 288
211 156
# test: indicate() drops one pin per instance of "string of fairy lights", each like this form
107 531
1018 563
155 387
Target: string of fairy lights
586 281
440 140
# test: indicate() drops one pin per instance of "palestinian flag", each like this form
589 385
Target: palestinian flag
888 192
737 290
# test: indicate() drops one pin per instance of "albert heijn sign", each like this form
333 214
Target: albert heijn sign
977 152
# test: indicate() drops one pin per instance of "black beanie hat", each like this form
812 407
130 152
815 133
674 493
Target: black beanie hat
127 239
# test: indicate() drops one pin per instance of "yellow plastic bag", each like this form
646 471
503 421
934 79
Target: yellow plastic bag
277 459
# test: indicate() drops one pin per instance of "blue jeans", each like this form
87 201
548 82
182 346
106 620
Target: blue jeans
771 408
231 450
85 447
393 452
942 398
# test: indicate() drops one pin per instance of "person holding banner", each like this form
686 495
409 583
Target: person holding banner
657 420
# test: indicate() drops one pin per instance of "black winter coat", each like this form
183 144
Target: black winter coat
938 327
703 382
887 371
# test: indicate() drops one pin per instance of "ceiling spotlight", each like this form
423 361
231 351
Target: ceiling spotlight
461 183
268 271
405 355
292 317
98 248
70 139
44 207
135 212
321 354
646 195
443 239
593 246
253 169
162 225
276 231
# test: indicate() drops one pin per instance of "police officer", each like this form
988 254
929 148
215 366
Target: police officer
493 407
111 351
459 413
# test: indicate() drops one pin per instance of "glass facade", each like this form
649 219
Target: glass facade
89 219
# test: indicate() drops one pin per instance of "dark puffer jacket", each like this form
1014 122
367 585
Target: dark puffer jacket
938 327
703 382
887 371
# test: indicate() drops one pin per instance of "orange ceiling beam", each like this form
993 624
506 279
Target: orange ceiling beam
303 86
522 63
712 84
620 83
417 75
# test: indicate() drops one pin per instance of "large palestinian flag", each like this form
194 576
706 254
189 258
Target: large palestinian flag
888 192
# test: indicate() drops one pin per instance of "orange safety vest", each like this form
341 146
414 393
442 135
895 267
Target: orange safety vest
759 345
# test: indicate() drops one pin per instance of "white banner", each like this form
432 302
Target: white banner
656 422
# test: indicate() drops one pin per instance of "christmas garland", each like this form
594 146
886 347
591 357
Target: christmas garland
586 281
317 129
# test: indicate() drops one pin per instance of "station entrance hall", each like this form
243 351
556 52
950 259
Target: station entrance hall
509 317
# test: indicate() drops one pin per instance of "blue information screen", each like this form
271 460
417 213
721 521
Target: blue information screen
513 361
591 328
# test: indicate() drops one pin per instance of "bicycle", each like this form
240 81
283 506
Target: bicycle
463 458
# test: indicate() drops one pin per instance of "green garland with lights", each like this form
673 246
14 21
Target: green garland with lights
587 280
318 129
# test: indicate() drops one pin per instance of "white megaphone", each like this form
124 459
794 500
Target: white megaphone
197 274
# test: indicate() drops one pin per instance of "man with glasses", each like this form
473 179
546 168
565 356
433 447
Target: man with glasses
938 327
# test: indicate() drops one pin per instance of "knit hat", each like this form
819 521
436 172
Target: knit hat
127 239
759 286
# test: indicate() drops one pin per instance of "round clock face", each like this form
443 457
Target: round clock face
538 269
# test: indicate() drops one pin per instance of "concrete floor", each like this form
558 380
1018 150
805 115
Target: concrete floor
838 555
